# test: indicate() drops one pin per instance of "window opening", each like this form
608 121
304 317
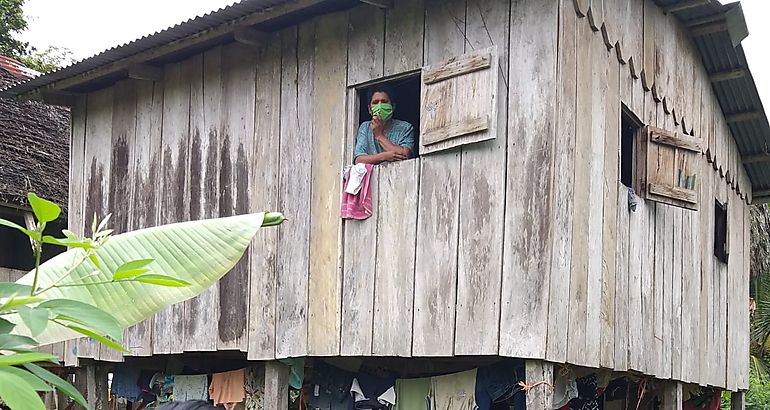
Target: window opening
720 231
17 250
406 101
629 130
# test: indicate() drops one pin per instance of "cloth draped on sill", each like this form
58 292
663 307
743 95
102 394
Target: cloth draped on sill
359 205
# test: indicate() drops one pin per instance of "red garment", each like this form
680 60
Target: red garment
358 206
713 405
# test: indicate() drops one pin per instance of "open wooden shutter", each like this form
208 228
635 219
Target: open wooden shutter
672 168
459 101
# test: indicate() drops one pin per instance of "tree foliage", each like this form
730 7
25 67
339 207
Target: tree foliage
12 22
50 59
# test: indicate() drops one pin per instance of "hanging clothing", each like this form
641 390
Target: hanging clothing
192 387
125 383
255 388
498 382
371 392
329 388
145 378
588 394
412 394
358 206
296 371
228 388
455 391
565 389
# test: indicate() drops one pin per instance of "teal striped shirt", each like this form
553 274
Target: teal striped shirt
400 133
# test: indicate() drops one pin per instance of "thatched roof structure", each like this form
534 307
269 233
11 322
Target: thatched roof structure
34 144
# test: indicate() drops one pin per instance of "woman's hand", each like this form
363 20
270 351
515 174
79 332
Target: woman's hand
392 156
378 127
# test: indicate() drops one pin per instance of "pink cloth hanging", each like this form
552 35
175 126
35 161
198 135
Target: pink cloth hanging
358 206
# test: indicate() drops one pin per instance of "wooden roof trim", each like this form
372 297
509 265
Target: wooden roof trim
383 4
684 5
122 66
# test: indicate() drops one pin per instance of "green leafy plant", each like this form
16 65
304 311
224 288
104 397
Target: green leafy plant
70 295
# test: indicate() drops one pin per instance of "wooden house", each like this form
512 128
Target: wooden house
512 233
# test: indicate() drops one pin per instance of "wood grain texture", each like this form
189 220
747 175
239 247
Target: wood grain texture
480 247
264 196
564 163
743 349
706 295
395 259
366 48
610 228
621 325
596 195
578 296
325 280
121 176
235 182
435 284
294 193
531 129
720 287
649 63
146 177
97 160
358 282
276 386
457 67
676 295
404 32
650 359
76 195
204 75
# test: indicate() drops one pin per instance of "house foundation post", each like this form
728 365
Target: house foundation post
738 401
276 386
539 378
97 386
672 396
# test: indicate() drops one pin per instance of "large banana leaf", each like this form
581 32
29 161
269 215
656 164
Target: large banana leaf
198 252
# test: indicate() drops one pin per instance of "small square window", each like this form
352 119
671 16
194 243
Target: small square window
630 128
404 94
720 232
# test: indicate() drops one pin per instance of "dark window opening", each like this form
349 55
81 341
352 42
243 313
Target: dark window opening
720 232
629 131
16 248
406 101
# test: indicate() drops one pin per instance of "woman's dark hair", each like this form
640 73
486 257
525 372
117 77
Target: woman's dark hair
188 405
380 88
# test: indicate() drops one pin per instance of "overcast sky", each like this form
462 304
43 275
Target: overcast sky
88 27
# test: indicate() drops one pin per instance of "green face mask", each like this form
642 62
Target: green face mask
383 110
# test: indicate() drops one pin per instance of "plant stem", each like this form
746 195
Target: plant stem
69 271
38 254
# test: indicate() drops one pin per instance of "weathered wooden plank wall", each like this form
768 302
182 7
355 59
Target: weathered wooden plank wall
528 234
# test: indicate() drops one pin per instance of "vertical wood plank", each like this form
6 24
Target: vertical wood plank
366 34
439 206
482 201
267 165
720 286
75 205
667 251
395 261
531 131
743 353
676 295
649 68
294 194
637 248
563 166
325 281
98 155
204 74
621 280
672 396
145 192
596 193
121 177
650 359
578 313
540 397
404 31
235 182
358 282
610 212
168 334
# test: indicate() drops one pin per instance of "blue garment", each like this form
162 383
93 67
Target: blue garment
124 383
400 133
499 382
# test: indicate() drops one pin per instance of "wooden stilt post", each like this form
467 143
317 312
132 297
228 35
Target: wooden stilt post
96 386
738 401
539 373
276 385
672 396
81 379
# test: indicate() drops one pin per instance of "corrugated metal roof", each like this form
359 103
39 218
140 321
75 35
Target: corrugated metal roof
738 95
718 52
179 31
